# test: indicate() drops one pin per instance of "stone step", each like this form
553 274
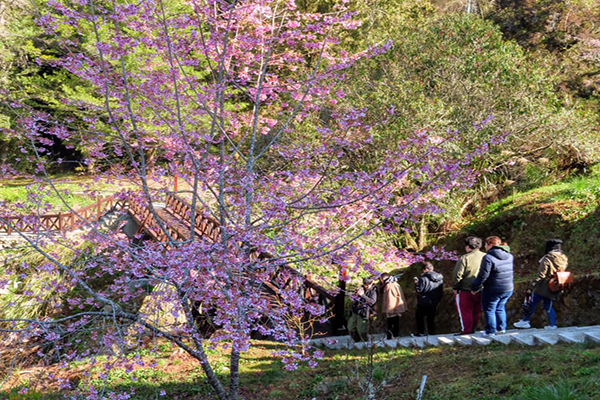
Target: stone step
525 337
420 341
505 338
572 336
405 342
593 335
360 345
546 338
465 340
446 340
481 340
438 340
587 328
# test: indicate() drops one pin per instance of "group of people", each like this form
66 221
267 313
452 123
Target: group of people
481 281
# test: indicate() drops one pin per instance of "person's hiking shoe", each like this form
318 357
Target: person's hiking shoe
551 327
522 324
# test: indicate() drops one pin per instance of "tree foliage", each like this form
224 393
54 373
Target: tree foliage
561 33
29 70
299 129
241 100
449 71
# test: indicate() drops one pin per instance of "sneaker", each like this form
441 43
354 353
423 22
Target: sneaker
485 334
522 324
551 327
501 332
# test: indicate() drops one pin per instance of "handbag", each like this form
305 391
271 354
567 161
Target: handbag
560 281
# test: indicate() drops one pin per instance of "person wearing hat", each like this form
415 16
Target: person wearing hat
362 308
554 260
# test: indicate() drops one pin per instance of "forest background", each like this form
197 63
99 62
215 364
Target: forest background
530 69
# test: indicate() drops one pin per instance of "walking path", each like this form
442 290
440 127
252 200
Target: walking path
526 337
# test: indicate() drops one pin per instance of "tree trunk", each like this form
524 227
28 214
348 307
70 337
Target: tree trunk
234 375
211 376
422 233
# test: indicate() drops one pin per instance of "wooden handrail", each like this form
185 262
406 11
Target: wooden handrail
176 219
61 222
209 227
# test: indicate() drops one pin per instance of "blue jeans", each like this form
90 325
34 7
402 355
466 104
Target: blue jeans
535 300
494 310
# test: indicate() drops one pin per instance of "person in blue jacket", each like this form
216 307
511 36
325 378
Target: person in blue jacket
495 280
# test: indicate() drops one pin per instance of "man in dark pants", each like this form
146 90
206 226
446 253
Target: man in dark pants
553 261
429 288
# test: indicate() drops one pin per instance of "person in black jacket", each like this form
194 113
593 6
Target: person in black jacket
495 278
429 288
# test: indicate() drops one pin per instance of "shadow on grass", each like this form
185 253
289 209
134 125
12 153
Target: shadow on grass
491 372
262 376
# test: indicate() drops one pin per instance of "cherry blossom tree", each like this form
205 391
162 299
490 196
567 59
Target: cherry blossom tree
240 100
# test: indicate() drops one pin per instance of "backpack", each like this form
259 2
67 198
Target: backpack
560 281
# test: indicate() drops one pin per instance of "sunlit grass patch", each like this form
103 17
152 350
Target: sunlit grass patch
491 372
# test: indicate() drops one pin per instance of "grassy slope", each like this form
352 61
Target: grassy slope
490 372
569 210
76 192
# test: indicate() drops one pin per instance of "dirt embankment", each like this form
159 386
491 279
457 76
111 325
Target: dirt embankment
525 225
580 306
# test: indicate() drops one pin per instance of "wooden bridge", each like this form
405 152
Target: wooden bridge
61 222
175 218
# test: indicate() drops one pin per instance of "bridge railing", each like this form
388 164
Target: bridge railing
174 218
204 225
208 227
148 222
62 222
